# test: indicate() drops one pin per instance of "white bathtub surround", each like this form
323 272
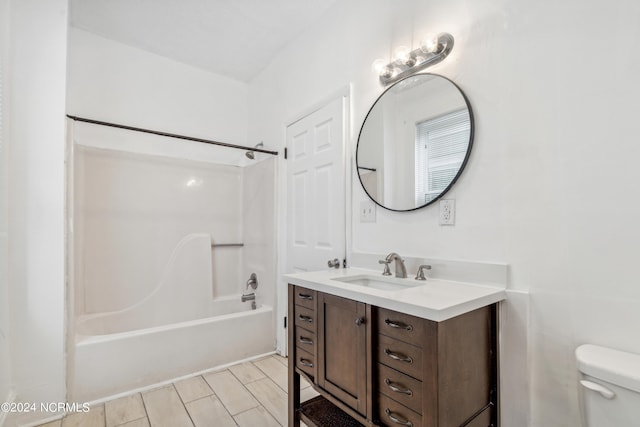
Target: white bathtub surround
154 298
183 293
132 210
259 226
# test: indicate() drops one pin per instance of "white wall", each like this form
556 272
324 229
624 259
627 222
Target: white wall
5 364
550 185
113 82
37 70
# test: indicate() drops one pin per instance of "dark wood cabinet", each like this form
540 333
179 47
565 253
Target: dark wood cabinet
374 366
342 350
434 373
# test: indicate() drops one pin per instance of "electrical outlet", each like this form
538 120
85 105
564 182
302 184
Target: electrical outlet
447 212
367 211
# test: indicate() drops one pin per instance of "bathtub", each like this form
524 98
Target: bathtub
108 361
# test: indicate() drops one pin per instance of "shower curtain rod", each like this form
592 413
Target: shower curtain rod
170 135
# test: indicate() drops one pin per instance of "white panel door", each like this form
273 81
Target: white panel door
316 189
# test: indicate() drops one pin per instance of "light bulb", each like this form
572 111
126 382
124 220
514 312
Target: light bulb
402 53
378 65
386 71
429 44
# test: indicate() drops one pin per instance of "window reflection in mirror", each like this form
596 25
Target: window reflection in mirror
414 142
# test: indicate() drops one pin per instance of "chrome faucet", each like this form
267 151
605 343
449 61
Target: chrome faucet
401 270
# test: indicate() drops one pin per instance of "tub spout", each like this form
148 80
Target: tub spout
248 297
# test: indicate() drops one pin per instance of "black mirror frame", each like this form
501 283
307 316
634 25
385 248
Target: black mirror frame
462 166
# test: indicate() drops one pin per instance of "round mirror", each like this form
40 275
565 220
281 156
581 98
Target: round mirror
414 142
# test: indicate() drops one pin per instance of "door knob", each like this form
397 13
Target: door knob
359 320
335 263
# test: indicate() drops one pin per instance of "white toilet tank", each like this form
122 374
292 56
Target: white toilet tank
609 387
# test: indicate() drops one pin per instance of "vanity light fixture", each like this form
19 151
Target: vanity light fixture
432 50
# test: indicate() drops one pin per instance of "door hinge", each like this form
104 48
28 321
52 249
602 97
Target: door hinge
285 322
285 153
344 263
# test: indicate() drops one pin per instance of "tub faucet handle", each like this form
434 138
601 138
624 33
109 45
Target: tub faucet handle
253 281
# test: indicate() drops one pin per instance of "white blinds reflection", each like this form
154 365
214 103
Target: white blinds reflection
440 147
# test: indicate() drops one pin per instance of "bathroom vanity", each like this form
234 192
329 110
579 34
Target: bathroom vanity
392 352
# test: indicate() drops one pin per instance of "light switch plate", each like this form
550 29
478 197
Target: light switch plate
367 211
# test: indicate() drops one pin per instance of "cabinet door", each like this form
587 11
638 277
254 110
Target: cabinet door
342 355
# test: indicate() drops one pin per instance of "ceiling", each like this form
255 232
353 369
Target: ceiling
233 38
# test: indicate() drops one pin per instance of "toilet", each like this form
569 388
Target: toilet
609 386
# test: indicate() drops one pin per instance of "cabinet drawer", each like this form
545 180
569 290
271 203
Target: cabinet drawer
393 414
306 340
305 297
402 326
305 318
400 387
306 361
400 356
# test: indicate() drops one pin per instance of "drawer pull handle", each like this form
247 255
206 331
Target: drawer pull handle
398 325
394 417
307 363
396 356
393 388
305 318
305 340
306 296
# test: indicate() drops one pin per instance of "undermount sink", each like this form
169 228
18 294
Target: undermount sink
384 283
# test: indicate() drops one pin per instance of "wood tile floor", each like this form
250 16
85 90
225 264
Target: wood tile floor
251 394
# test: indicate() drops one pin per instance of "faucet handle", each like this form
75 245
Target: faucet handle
253 281
386 271
420 273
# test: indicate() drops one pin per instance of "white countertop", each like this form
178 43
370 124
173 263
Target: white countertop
435 299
